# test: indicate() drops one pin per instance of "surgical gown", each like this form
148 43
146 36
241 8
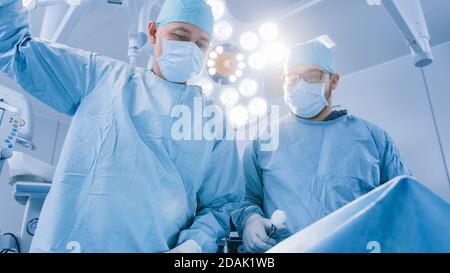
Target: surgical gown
122 183
318 167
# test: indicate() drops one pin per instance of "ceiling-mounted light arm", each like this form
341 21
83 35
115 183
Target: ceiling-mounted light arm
134 13
409 17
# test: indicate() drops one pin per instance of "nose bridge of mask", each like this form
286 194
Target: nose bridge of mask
313 88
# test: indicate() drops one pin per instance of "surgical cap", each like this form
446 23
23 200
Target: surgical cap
312 52
196 12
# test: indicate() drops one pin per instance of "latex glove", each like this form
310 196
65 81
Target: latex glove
189 246
279 230
255 237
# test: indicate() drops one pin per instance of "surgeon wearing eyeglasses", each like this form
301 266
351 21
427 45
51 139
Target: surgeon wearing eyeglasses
326 158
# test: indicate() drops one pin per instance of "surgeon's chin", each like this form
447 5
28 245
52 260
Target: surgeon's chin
157 71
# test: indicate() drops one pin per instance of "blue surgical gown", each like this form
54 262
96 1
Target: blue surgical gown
122 183
318 167
400 216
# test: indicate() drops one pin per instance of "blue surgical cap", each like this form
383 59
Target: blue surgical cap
312 52
196 12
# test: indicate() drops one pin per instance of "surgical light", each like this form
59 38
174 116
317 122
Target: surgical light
217 7
226 63
268 31
276 52
205 84
213 55
29 4
257 60
248 87
238 73
229 96
249 41
223 30
212 71
257 106
238 116
219 49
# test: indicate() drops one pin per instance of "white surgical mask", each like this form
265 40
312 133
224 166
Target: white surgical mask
306 100
180 61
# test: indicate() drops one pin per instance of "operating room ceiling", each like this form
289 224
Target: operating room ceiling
364 35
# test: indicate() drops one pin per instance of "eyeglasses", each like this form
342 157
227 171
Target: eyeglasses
310 76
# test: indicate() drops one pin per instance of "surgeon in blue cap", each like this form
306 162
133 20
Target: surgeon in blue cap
123 183
325 159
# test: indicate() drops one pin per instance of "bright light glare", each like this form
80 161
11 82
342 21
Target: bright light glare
248 87
213 55
217 7
219 49
212 71
248 40
73 2
223 30
205 84
268 31
229 96
257 106
238 116
257 60
276 52
29 4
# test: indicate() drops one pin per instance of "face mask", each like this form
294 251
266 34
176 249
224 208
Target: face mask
306 100
180 61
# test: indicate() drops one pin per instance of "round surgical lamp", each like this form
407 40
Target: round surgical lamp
257 60
223 30
217 7
229 96
238 116
248 87
249 41
225 64
268 31
257 106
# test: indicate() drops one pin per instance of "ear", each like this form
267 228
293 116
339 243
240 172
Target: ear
335 80
152 29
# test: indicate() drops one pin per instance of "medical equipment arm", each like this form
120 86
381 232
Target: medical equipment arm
221 190
56 75
253 201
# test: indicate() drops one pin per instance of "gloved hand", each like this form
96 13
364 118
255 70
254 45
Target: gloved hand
255 236
189 246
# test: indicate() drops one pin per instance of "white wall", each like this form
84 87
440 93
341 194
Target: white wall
393 96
